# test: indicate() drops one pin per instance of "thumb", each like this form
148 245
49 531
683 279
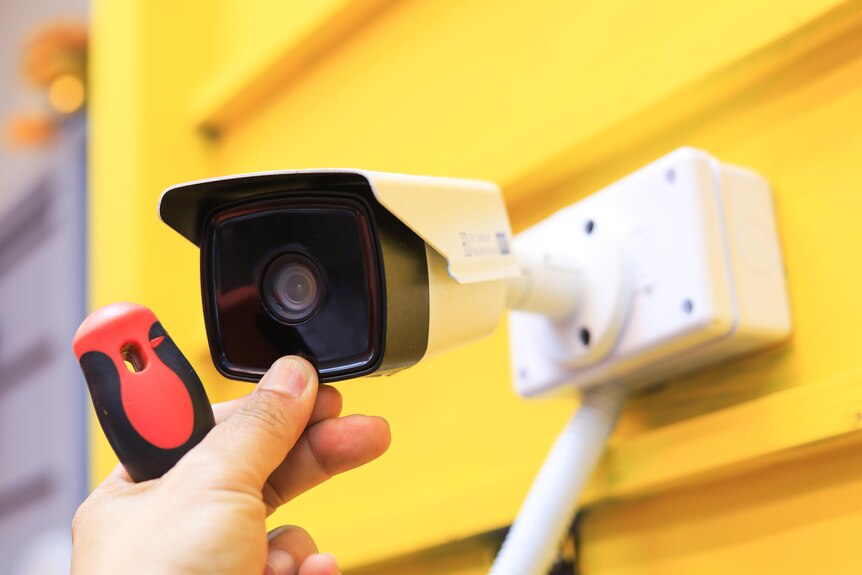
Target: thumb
247 447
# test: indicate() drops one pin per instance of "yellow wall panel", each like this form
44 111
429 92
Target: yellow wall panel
504 84
790 519
248 33
552 100
259 48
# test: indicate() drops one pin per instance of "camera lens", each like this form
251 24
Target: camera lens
292 288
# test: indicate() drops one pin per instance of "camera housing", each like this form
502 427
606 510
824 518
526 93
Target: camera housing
359 272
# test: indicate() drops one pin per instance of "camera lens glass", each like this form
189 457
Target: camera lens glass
292 288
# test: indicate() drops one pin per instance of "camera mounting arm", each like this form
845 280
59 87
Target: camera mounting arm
580 293
549 284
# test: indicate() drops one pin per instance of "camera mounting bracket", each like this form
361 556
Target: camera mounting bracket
689 253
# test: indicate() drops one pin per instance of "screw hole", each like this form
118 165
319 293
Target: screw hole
589 226
687 306
584 334
134 359
670 175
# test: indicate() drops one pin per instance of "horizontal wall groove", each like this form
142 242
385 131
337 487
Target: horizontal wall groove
240 89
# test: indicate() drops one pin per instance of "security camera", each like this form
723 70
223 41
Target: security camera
359 272
675 266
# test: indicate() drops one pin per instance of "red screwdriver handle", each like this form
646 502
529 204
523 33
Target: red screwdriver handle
148 398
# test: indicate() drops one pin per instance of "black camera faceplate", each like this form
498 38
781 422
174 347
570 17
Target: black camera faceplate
337 233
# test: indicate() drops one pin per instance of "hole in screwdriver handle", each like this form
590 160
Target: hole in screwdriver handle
149 401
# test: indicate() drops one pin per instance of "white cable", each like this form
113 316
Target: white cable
535 537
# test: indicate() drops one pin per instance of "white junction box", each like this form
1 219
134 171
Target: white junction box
687 253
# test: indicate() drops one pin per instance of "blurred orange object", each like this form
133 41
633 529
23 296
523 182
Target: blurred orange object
54 60
66 93
30 130
53 51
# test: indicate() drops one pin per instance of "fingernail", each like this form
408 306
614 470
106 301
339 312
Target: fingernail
331 559
321 562
280 562
287 375
276 532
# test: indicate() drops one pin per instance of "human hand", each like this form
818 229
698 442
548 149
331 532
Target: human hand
207 514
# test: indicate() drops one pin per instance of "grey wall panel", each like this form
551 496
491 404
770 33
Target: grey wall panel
43 464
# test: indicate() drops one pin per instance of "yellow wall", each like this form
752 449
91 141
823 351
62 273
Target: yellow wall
750 467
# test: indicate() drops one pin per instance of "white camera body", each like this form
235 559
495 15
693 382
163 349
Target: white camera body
403 266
